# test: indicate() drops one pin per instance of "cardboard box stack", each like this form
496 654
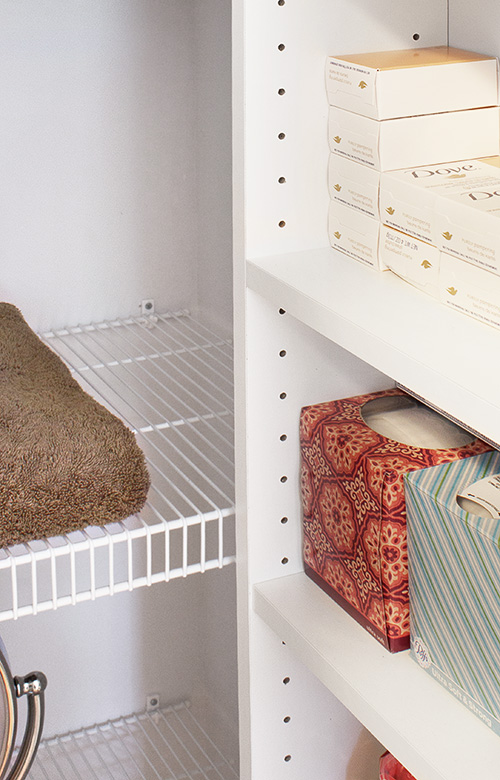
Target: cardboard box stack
455 208
394 110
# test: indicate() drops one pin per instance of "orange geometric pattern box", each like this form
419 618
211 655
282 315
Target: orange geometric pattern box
354 518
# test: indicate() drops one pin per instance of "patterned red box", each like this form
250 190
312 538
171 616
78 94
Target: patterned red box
354 514
391 769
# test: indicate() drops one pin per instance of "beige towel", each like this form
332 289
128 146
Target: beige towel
65 461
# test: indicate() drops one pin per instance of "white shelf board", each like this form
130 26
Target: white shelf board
438 353
389 694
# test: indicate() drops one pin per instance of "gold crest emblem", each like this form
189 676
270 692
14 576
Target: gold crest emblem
447 235
337 187
390 210
426 264
362 85
451 290
337 139
337 234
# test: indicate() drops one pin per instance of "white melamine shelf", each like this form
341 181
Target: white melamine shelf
166 744
430 732
169 379
442 355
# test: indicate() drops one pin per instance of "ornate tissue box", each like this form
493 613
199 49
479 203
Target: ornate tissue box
354 454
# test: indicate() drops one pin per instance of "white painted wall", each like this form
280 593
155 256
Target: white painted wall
109 148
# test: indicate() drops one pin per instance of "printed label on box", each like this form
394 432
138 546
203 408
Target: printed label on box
470 289
474 246
354 234
350 78
414 261
354 185
407 198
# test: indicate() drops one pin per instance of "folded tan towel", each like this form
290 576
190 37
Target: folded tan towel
65 461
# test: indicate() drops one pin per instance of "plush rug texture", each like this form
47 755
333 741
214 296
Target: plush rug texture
65 461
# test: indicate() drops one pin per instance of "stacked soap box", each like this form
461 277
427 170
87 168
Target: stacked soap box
454 208
403 109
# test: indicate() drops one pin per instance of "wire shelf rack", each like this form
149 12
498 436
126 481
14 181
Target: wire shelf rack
169 378
166 744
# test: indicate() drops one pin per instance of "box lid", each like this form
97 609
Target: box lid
413 58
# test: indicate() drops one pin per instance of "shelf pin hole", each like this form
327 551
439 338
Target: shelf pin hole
283 437
287 758
287 719
284 520
281 223
281 180
281 91
286 680
284 561
281 136
416 37
282 352
281 47
283 479
282 396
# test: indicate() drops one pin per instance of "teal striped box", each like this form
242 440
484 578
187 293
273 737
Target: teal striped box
454 580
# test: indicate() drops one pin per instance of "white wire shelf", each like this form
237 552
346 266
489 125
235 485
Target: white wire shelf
167 744
169 379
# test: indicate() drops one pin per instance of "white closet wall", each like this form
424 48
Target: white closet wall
211 215
115 140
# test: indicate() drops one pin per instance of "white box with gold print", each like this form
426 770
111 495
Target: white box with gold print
470 289
390 84
354 234
354 185
468 223
412 260
408 197
414 141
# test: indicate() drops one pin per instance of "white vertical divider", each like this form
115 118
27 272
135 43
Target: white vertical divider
290 727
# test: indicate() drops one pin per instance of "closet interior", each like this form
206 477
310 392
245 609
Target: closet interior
319 326
116 247
134 165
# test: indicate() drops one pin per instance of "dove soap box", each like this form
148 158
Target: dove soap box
408 197
414 141
391 84
412 260
354 234
453 525
468 221
354 185
470 289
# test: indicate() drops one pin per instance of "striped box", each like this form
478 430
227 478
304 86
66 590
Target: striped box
454 580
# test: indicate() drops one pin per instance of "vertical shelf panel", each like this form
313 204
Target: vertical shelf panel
281 202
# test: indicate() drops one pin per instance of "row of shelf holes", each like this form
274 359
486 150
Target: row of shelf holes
281 136
283 437
286 719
